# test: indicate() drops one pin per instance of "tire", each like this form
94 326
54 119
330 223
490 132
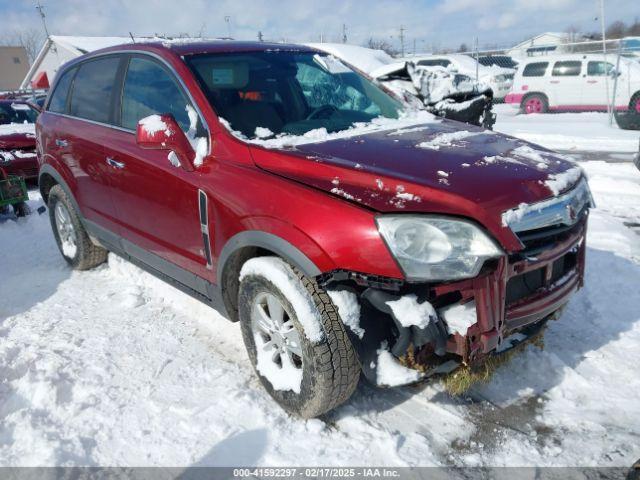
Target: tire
634 104
534 103
329 365
81 253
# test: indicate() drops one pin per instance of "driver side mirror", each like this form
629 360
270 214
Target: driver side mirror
162 132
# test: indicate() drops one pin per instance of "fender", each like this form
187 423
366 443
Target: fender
269 241
50 170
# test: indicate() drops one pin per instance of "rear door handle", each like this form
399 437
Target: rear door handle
61 143
114 163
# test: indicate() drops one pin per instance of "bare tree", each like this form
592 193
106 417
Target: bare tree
463 48
634 28
617 29
378 44
29 38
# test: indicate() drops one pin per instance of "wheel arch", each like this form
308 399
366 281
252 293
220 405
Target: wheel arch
48 177
249 244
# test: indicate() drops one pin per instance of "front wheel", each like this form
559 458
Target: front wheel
73 241
295 339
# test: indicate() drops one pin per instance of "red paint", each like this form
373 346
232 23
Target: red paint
297 194
41 81
586 108
534 105
514 97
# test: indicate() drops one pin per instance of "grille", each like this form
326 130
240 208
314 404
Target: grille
538 240
527 284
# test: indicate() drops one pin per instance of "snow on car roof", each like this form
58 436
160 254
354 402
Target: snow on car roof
364 59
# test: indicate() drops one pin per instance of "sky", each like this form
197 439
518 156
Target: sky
426 23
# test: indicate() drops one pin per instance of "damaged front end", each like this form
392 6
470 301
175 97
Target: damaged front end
432 328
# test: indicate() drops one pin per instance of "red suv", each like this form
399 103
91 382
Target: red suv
297 197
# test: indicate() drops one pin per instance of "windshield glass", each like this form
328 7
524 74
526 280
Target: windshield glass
17 113
262 94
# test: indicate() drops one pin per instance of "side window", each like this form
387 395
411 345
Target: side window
430 63
93 89
598 69
149 89
537 69
567 69
58 102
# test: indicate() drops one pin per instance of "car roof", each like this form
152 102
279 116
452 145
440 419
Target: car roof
565 56
184 47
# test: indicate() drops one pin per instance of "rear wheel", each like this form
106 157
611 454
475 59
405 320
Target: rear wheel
535 103
295 339
634 104
73 241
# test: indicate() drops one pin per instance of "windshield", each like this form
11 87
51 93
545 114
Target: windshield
262 94
17 113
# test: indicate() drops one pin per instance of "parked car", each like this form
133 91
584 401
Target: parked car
17 138
500 79
575 82
504 61
344 233
438 90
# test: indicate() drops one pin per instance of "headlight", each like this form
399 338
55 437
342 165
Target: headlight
436 248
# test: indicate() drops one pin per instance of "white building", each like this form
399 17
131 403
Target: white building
58 50
543 44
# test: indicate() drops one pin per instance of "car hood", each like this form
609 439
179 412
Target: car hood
441 167
17 136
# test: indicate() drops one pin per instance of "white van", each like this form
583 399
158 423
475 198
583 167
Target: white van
574 82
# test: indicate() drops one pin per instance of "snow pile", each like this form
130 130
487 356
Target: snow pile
263 132
447 139
200 145
280 274
589 131
559 182
391 372
459 317
410 313
380 124
348 308
364 59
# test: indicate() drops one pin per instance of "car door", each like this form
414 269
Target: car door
157 202
595 86
82 131
566 84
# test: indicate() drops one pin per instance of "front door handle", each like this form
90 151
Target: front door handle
61 143
114 163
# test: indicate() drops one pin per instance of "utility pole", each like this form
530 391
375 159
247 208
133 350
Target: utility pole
402 30
604 53
344 33
40 9
260 37
227 20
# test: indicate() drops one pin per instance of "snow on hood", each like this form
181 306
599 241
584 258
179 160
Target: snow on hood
431 168
18 129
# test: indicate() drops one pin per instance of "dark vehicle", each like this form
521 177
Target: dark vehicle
499 60
344 233
17 138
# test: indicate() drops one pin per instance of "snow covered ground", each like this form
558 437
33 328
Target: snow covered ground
588 131
114 367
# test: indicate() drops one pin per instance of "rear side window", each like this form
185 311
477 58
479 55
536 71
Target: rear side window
597 69
149 89
58 102
537 69
567 69
93 88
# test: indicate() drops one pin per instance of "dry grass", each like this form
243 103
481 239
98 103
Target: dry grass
461 380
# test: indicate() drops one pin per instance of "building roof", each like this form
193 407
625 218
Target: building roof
562 36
